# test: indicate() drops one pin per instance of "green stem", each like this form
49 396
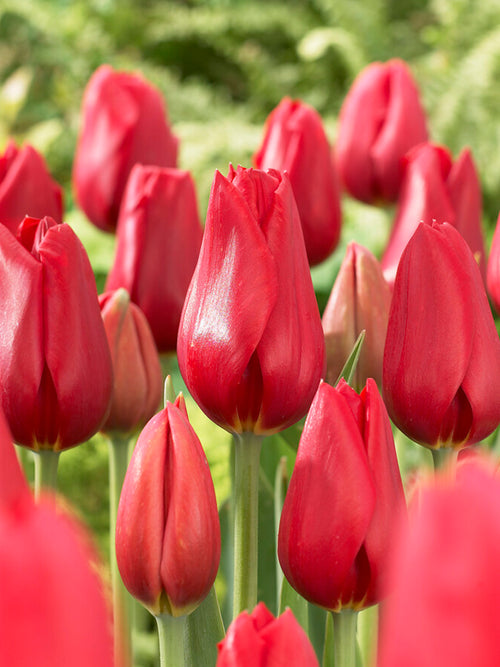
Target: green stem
171 639
46 462
443 457
246 508
344 637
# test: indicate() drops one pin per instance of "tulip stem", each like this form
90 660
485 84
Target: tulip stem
46 462
344 637
171 639
443 458
246 511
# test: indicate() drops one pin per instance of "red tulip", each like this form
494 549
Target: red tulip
441 375
261 640
159 236
26 187
124 121
55 366
360 300
380 120
251 346
295 141
493 273
168 534
445 580
344 499
52 607
138 382
436 190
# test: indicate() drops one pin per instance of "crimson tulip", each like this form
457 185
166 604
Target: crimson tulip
52 600
295 141
344 498
493 269
55 365
158 240
360 300
168 534
435 189
250 329
124 121
441 376
445 579
137 373
258 639
380 120
26 187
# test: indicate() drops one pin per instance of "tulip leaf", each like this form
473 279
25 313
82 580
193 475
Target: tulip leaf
349 368
203 630
289 598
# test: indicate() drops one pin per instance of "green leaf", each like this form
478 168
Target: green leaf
349 368
203 630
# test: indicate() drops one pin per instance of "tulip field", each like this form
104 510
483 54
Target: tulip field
249 333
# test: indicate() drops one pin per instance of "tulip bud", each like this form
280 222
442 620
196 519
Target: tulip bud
380 120
26 187
137 388
55 365
344 499
493 273
261 640
445 575
441 376
158 240
295 142
250 329
168 534
124 121
360 300
435 189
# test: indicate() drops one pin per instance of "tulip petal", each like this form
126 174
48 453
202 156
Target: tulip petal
287 643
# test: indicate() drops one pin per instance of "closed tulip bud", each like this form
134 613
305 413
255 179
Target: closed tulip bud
251 329
435 189
137 373
55 365
168 534
261 640
295 142
26 187
493 273
158 240
360 300
124 121
380 120
344 499
445 575
441 376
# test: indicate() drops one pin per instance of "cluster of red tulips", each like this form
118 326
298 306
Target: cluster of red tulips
406 345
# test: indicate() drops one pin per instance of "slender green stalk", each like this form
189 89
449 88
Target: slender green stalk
46 462
344 637
171 639
246 509
443 457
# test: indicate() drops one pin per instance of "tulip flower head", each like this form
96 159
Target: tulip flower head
158 241
295 142
124 121
168 534
441 376
344 499
251 346
493 272
55 365
380 120
26 187
261 640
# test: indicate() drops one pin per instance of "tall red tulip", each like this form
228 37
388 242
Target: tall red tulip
168 534
251 346
493 271
258 639
52 606
124 121
158 241
344 499
436 189
26 187
441 376
445 579
381 119
295 141
55 365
